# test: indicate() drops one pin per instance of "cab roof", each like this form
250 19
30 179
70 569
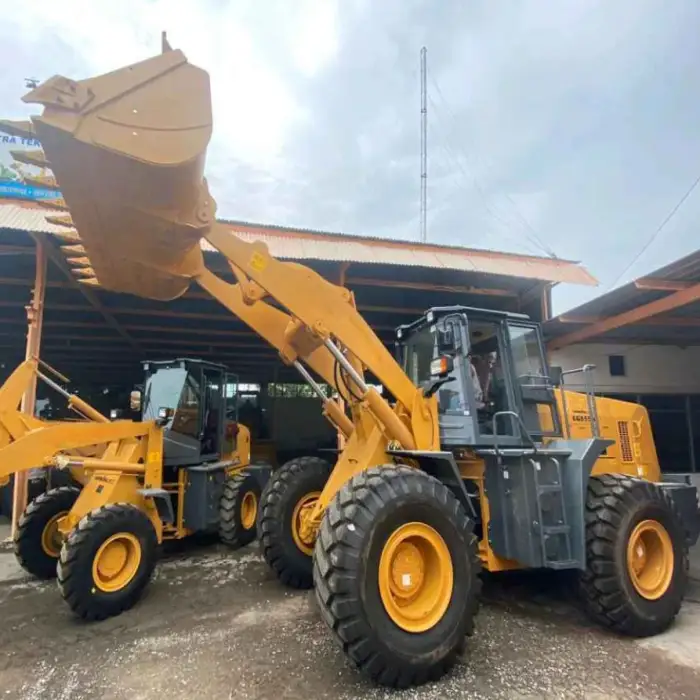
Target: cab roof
436 312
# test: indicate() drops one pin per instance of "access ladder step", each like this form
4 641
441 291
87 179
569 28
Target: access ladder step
562 565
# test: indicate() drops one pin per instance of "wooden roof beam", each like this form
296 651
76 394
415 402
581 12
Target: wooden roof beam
637 315
665 321
154 328
661 285
7 249
428 287
169 313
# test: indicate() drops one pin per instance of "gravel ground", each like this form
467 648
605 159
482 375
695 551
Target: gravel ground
218 625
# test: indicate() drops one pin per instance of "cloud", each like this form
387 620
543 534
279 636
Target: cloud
567 126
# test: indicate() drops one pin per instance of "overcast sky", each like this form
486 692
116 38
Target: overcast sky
568 126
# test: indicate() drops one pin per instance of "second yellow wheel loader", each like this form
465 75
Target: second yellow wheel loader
469 459
184 469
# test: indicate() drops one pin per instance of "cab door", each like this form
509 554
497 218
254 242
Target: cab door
532 383
213 417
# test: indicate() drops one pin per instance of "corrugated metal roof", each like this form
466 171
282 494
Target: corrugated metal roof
296 244
24 218
630 295
664 327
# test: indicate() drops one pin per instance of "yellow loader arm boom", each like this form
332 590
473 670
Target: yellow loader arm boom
14 387
127 150
41 447
16 425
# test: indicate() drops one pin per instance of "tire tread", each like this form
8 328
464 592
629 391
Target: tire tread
350 511
610 497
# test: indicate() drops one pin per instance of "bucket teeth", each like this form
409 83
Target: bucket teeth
63 220
83 272
90 281
79 262
46 181
59 204
34 157
73 249
22 129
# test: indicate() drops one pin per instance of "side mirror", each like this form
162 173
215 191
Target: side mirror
555 375
135 400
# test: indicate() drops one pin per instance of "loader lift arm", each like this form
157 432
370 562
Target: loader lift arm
18 427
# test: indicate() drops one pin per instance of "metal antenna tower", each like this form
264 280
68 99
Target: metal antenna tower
423 145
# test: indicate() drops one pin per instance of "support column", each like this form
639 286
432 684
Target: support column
35 317
342 276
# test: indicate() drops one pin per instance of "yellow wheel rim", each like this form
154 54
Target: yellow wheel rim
303 536
650 559
249 510
416 577
116 562
51 538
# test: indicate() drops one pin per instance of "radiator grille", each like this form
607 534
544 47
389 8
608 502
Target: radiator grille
623 430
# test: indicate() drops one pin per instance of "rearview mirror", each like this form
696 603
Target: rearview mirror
135 400
445 340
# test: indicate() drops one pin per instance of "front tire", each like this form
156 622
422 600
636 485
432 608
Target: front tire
295 485
238 512
636 556
396 575
37 540
107 561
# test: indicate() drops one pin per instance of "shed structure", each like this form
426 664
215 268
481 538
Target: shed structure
99 339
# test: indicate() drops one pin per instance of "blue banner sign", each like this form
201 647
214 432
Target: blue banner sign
13 174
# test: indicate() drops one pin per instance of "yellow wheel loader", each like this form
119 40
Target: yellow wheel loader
37 540
469 459
184 469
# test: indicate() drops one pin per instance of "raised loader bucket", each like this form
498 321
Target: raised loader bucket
127 150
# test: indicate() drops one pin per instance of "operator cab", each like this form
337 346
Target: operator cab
188 397
489 372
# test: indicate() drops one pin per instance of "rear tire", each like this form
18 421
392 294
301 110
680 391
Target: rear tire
396 575
296 483
238 512
636 556
107 561
37 540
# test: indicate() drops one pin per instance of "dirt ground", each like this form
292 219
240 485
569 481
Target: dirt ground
216 624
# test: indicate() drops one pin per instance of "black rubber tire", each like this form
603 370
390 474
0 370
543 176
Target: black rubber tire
355 528
286 487
231 529
75 577
615 505
29 551
62 477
